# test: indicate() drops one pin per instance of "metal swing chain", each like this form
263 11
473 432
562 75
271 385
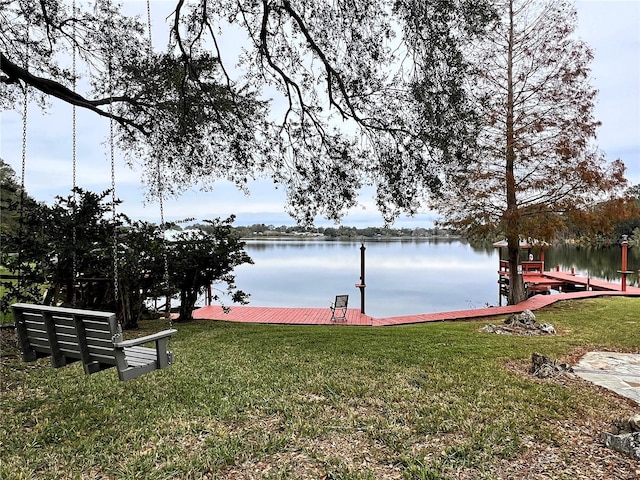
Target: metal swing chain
116 280
164 245
25 109
73 160
149 40
113 203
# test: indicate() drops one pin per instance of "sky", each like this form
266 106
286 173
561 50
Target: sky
610 27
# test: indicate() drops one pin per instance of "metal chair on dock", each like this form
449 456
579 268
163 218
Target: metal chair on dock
339 308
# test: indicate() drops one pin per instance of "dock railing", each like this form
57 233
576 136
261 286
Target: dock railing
529 267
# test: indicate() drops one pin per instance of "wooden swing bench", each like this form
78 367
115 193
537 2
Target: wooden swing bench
94 338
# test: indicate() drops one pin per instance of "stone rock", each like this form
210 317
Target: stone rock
527 318
634 423
545 371
538 361
523 324
544 367
547 328
491 328
627 443
628 425
565 367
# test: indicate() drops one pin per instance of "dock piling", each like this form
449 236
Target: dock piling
624 271
362 285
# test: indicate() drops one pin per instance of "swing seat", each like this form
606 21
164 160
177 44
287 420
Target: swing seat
95 338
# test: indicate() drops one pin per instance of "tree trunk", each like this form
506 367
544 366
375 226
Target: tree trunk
131 305
187 304
70 288
517 292
512 216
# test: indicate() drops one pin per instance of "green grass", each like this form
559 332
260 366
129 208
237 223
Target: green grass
428 401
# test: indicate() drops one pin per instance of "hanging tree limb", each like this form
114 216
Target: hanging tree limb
15 73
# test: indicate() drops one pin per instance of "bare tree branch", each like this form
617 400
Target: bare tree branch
15 73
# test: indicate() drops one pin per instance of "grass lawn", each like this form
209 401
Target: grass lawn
429 401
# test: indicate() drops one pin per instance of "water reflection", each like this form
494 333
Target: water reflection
598 262
403 276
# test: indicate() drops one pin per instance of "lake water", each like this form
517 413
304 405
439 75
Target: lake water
403 277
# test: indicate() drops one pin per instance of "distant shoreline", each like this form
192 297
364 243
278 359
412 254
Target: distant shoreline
353 239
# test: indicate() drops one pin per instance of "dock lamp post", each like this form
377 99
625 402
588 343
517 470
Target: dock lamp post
624 271
362 285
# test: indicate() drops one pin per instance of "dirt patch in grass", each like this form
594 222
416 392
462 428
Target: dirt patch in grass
10 360
8 342
580 456
338 456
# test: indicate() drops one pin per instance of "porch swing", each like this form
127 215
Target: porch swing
95 338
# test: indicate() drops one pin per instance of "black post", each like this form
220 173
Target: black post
362 285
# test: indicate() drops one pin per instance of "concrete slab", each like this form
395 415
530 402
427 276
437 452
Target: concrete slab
619 372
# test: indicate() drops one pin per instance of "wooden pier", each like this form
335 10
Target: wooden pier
322 316
574 282
538 281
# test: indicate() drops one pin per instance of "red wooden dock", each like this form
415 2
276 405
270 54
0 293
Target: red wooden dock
281 315
322 316
537 280
588 283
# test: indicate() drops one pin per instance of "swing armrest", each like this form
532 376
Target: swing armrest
146 339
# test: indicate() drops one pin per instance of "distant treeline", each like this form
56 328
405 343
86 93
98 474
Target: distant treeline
629 229
262 230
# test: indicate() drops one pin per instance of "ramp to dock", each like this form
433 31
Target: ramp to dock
589 283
